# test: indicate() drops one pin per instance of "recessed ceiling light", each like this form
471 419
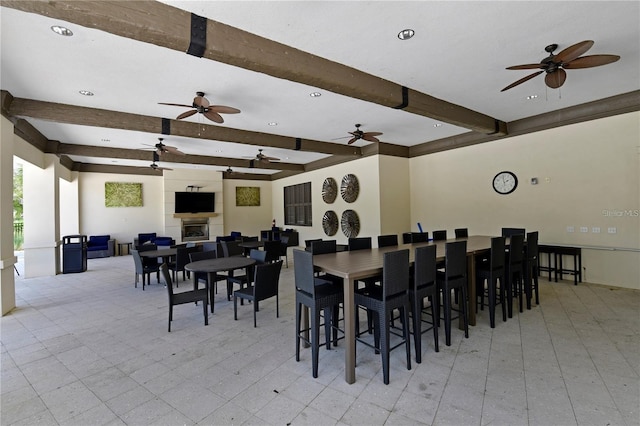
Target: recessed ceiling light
406 34
62 31
273 123
315 94
437 125
531 97
85 92
105 140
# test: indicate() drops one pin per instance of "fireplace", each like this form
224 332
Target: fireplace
195 229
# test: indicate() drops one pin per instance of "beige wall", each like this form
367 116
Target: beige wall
367 205
122 223
249 220
582 170
395 214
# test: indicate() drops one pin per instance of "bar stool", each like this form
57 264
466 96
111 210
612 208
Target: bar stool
492 271
514 271
531 268
424 285
454 277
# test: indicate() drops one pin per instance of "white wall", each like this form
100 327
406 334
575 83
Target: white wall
249 220
583 170
122 223
367 205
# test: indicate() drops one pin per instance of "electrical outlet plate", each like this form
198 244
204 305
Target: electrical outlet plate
584 229
612 230
570 229
595 230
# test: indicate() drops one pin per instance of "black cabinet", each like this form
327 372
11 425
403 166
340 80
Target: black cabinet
74 253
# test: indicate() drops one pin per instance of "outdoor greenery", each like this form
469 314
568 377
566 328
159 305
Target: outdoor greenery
18 237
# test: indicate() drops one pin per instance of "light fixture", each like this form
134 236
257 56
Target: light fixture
531 97
85 92
406 34
273 123
62 31
315 94
437 125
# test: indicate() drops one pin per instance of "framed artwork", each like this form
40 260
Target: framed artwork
122 194
247 195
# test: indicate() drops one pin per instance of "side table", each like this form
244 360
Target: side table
123 245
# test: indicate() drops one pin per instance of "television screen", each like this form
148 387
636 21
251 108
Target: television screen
195 202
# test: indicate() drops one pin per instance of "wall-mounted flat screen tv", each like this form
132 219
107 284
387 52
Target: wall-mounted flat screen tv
195 202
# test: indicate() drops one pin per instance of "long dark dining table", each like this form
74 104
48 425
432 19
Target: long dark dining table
165 253
356 265
211 266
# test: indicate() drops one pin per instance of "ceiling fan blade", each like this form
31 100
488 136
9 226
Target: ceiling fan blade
186 114
352 140
572 52
214 116
522 80
371 134
344 137
201 101
555 79
224 109
526 67
270 158
370 138
591 61
173 150
180 105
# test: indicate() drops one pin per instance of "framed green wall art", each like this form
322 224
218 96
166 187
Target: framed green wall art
247 195
122 194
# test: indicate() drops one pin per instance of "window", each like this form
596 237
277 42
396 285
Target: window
297 204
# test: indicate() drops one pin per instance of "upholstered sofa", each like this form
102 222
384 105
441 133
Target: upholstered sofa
153 239
100 246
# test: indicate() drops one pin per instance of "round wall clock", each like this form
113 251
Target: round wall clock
329 190
330 223
505 182
350 188
350 223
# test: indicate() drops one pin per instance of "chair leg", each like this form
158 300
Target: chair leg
204 311
315 341
435 318
298 313
446 302
465 311
382 326
235 307
417 328
503 301
406 334
491 282
170 316
255 310
327 327
135 282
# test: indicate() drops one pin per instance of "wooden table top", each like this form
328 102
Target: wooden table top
220 264
159 253
251 244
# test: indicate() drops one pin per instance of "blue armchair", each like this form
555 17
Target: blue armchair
100 246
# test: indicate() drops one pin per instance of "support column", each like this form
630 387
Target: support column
7 257
42 218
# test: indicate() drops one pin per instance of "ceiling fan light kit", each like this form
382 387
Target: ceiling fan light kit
554 65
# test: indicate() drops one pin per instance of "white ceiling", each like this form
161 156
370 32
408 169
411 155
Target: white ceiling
459 54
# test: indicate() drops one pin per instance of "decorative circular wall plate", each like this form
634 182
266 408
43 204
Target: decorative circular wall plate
350 223
329 190
330 223
350 188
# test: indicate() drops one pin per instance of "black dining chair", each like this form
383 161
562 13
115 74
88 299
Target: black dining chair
461 232
181 259
508 232
387 240
440 235
382 300
265 286
423 286
307 243
319 295
531 268
359 243
189 296
515 273
144 269
493 270
454 278
272 249
231 248
246 279
284 247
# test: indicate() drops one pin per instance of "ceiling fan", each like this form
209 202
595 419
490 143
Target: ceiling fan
263 158
161 148
154 166
359 134
555 65
201 105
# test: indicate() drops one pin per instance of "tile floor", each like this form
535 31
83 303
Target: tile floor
90 349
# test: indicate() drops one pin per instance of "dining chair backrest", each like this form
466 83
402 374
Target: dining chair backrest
508 232
461 232
424 272
516 246
359 243
303 271
395 273
307 243
387 240
246 239
212 246
266 278
260 256
202 255
182 256
231 248
164 270
456 259
440 235
137 261
532 246
419 237
146 247
272 249
324 246
497 253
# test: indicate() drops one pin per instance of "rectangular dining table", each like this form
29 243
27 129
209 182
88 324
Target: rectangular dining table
356 265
